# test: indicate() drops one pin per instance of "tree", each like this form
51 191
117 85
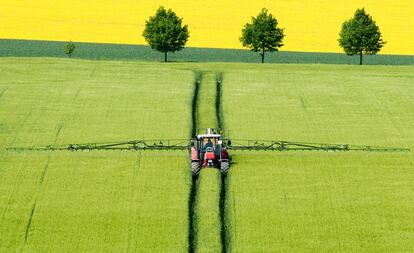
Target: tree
165 33
360 34
69 48
262 34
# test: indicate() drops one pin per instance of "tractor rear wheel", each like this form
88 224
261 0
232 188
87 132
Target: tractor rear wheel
224 167
195 168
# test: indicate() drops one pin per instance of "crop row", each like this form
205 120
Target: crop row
207 210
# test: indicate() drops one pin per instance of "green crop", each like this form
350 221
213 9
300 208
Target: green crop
206 103
100 201
321 201
106 201
207 211
93 202
206 206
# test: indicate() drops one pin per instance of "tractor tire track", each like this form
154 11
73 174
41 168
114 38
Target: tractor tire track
223 215
90 77
38 193
42 178
219 112
194 103
192 216
37 196
59 128
224 235
192 233
22 124
20 172
29 223
3 91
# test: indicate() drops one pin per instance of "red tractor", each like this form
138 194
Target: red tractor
209 150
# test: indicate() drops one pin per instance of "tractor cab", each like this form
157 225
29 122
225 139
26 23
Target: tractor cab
208 151
210 140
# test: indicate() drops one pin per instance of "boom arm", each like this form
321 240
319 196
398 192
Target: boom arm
181 144
289 145
178 144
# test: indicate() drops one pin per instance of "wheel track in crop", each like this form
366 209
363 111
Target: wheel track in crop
11 195
3 91
223 186
36 198
39 190
191 216
29 223
192 231
193 188
59 128
194 103
219 109
223 215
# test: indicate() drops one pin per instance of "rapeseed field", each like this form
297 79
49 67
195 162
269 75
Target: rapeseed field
310 25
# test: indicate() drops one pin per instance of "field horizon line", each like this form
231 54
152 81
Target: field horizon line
114 51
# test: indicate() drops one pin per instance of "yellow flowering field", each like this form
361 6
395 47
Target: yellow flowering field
311 25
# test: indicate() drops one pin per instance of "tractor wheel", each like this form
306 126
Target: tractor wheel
195 168
224 167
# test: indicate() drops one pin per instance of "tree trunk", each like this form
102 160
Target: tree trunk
263 53
165 56
360 58
70 55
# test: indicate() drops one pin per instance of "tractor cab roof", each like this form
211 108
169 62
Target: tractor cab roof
206 136
210 133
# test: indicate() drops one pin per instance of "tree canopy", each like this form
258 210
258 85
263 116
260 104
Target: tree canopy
69 48
262 34
360 35
165 33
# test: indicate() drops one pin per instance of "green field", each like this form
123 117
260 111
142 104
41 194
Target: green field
92 201
207 204
207 212
320 201
130 201
95 51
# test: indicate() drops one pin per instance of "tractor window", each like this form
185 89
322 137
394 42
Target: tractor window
212 140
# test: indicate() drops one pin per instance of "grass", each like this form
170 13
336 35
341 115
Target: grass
207 212
328 104
93 202
99 201
138 201
207 204
206 115
319 201
92 101
30 48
